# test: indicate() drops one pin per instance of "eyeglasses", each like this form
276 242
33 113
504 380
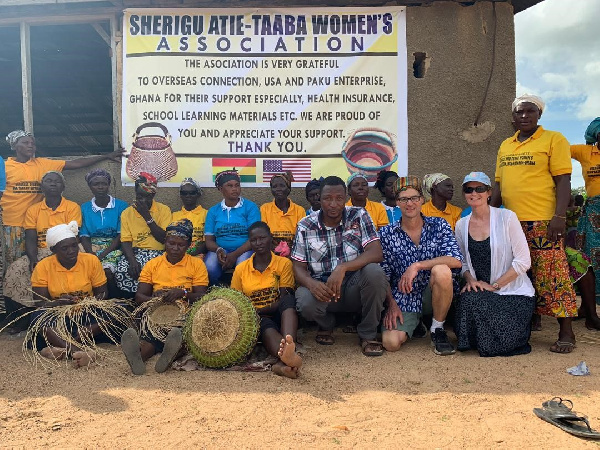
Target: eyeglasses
478 189
188 193
414 199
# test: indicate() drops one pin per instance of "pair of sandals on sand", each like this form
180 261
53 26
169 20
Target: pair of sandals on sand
560 413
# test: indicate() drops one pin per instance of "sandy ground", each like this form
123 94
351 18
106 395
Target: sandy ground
411 399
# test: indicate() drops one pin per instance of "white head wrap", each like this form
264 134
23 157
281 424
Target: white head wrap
14 136
61 232
529 98
429 182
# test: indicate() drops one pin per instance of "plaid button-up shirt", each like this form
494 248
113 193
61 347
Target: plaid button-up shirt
323 248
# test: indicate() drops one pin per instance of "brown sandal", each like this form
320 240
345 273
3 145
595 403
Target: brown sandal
371 348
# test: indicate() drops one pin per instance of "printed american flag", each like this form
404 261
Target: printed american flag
300 168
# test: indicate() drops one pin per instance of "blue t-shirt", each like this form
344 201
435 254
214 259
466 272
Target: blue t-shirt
394 214
102 222
230 225
2 176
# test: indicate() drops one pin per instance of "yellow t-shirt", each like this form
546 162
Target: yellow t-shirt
23 187
134 228
163 275
589 157
451 213
525 170
79 280
377 213
198 217
40 218
282 225
263 287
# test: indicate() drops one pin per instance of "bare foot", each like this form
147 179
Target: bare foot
282 370
536 323
83 359
287 352
57 353
592 323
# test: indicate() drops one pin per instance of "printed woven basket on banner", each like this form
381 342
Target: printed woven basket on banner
222 328
152 154
368 151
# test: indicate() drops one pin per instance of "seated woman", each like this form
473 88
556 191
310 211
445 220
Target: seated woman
282 215
53 210
190 193
142 233
63 279
438 190
174 275
268 280
496 305
358 189
226 228
313 195
386 180
100 232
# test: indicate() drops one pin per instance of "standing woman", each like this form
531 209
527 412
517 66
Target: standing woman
438 190
101 229
142 233
51 211
23 177
226 228
282 215
495 308
588 228
268 280
533 179
190 193
386 180
358 189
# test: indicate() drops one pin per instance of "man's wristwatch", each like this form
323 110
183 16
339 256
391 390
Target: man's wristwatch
496 286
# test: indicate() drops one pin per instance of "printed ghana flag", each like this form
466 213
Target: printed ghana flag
245 167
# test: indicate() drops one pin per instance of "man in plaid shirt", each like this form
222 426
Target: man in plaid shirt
336 258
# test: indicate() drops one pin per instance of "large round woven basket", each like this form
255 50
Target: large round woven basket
152 154
222 328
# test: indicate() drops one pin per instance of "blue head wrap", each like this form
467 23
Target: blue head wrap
591 133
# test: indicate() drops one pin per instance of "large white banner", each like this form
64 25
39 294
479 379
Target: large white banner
317 91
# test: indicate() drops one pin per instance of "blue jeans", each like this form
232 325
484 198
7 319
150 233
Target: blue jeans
214 268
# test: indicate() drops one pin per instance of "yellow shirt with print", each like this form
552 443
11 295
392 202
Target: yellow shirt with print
198 218
40 218
377 213
589 157
263 287
134 228
451 214
283 225
23 187
163 275
79 280
525 170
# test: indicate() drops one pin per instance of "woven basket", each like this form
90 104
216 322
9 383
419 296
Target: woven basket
221 328
152 154
368 151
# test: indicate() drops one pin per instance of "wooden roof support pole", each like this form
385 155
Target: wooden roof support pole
26 78
114 27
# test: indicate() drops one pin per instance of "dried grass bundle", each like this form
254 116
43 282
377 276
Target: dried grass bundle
158 317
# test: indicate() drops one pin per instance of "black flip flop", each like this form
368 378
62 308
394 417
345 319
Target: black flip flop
325 339
170 350
130 344
559 405
568 421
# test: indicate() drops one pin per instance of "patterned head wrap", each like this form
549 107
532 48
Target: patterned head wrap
181 228
430 181
191 182
410 181
313 184
147 183
61 232
62 177
287 177
14 136
225 176
591 133
101 173
354 176
382 178
528 98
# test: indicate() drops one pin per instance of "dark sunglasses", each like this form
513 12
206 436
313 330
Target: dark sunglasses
188 193
478 189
